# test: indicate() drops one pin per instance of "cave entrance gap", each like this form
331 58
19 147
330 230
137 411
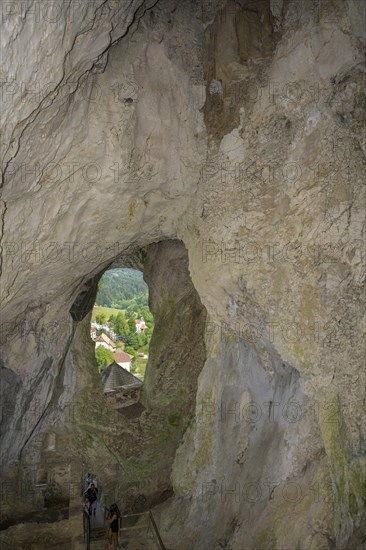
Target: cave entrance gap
121 327
153 426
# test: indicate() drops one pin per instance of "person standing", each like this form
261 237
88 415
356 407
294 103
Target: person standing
92 494
86 506
114 517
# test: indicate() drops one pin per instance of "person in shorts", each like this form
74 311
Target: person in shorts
114 517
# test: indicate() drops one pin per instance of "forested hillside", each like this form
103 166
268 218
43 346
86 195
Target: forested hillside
120 288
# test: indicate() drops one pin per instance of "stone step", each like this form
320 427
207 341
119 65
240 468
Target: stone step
128 543
98 534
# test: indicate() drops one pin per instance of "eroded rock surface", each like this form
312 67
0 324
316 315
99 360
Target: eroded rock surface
237 128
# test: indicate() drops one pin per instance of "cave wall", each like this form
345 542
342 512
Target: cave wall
245 140
177 348
285 262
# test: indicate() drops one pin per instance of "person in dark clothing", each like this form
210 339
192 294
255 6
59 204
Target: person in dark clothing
114 517
92 495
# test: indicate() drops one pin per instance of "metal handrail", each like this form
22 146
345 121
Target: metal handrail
136 514
152 522
86 525
155 527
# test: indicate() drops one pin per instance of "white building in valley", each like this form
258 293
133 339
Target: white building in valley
105 341
140 325
123 359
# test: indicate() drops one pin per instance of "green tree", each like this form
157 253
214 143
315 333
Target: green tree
100 318
148 332
103 331
100 284
131 351
121 325
147 335
136 341
132 324
118 285
103 355
146 314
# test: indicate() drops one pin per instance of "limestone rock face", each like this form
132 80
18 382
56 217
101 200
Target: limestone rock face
177 349
237 129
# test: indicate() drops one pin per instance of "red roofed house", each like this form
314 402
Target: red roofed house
123 359
104 341
140 325
93 333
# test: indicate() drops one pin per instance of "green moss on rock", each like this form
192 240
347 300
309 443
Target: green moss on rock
347 475
174 419
265 540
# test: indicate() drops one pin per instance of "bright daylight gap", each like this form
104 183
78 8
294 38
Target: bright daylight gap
121 327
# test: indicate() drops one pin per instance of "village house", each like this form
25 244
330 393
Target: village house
123 359
140 325
105 341
93 332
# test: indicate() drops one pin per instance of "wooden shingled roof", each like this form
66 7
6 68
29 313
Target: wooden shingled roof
114 376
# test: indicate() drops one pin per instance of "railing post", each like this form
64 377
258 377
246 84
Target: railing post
155 527
86 525
88 537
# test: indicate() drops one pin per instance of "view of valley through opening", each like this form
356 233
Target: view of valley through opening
182 275
121 326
